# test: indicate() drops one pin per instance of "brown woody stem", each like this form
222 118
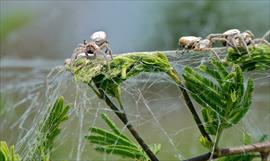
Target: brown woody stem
194 113
263 148
122 116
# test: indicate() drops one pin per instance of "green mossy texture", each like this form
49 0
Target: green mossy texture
109 75
257 59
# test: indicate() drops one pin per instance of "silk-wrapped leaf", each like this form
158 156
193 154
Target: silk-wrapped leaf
257 59
108 76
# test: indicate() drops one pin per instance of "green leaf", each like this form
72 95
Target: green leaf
116 142
155 148
263 138
8 154
223 72
47 132
246 138
212 72
207 91
110 138
205 142
258 59
122 151
219 89
111 124
109 76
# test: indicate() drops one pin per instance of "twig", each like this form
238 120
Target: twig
263 148
194 113
264 155
122 116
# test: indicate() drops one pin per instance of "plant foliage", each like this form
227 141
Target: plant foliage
114 142
8 154
109 75
257 59
48 130
221 93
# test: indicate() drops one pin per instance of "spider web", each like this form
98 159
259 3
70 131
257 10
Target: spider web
153 104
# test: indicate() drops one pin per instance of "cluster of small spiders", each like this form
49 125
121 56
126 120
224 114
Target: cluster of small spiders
97 45
233 38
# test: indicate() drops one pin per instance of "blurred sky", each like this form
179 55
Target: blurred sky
56 28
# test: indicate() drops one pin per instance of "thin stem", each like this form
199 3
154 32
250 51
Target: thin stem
258 147
122 116
194 113
264 155
96 92
215 150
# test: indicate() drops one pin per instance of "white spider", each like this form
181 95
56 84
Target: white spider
98 44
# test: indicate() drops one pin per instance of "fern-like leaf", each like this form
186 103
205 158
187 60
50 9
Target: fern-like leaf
257 59
112 125
115 142
48 130
220 91
8 154
108 76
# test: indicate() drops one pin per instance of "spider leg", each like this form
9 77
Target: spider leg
99 51
252 43
267 34
234 45
228 43
95 54
263 39
242 41
109 50
81 45
105 57
102 46
76 52
178 51
213 36
260 40
213 52
185 50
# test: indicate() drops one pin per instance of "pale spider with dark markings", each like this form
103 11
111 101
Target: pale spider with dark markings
196 44
98 44
233 38
236 39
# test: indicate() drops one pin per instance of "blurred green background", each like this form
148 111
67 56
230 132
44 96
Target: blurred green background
51 29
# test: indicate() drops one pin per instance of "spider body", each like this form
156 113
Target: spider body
188 42
98 44
99 37
196 44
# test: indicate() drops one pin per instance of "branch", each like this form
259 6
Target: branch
194 113
122 116
263 148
